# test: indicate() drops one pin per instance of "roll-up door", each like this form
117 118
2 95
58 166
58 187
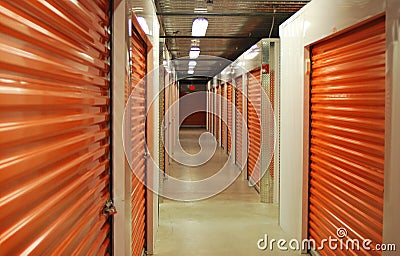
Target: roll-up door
218 110
253 122
210 115
347 136
209 110
213 97
54 133
239 120
223 116
138 127
229 117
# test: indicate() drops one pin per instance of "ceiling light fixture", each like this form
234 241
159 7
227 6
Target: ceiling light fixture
137 9
200 10
130 27
192 63
199 27
194 52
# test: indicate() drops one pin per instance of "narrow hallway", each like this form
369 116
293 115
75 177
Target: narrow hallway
229 223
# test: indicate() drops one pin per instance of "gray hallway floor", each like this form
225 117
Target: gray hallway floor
229 223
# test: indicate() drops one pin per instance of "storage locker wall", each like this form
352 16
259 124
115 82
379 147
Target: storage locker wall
138 127
347 136
218 109
253 120
229 117
223 115
54 138
239 120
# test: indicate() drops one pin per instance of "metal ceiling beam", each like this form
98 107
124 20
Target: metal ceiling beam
202 58
211 37
253 14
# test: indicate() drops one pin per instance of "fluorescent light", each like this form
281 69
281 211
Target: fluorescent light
130 27
199 27
200 10
137 9
192 63
194 52
190 71
143 24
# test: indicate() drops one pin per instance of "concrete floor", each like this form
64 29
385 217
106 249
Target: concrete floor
229 223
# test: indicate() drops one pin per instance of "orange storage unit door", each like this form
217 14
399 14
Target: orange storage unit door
54 134
239 120
218 109
347 136
229 117
212 109
223 116
209 109
253 121
138 127
213 102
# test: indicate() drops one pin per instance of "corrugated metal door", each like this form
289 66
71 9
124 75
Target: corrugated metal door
239 120
253 121
223 116
347 136
138 127
229 117
54 133
213 91
218 108
209 110
212 110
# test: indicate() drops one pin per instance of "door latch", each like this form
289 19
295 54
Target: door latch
109 208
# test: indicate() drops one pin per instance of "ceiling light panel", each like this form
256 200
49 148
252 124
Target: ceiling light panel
199 27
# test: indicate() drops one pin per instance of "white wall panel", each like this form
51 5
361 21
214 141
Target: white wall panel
292 95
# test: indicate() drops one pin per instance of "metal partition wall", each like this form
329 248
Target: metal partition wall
270 121
238 121
254 126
